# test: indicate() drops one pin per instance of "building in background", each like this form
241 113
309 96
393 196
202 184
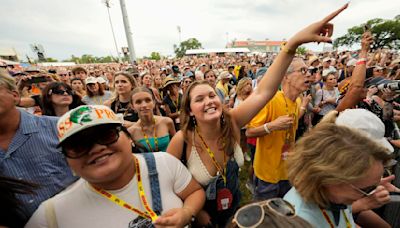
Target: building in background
257 46
10 54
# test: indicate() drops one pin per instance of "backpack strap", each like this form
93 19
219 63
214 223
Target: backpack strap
183 156
154 182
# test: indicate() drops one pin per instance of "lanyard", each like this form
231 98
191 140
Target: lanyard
288 131
146 138
176 104
149 214
329 221
211 153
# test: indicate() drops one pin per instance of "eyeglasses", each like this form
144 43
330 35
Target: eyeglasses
63 75
302 70
367 191
313 70
80 144
252 215
61 91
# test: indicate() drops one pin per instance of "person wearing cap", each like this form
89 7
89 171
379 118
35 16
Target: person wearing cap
371 126
95 94
222 87
28 149
176 73
378 71
332 167
172 100
117 188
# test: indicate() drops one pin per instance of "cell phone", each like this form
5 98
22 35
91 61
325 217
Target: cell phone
366 28
37 79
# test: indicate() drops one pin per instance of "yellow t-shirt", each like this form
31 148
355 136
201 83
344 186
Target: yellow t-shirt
268 164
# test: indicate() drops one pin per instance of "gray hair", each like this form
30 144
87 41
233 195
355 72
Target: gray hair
7 81
290 69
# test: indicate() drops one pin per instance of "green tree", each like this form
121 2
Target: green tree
301 50
191 43
386 34
155 56
51 60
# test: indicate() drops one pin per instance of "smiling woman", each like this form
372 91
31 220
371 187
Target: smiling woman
114 181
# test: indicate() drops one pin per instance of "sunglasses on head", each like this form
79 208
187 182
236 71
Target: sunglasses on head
252 215
61 91
80 144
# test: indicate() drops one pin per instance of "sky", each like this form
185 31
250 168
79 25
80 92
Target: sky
77 27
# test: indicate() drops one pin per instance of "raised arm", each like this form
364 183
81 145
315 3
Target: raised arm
357 80
320 31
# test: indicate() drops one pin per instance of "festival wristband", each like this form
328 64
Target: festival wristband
286 49
266 129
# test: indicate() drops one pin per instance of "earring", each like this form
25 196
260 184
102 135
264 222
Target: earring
222 119
194 121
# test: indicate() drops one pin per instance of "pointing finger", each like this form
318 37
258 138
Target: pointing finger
334 14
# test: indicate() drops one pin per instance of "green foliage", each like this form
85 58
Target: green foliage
386 34
155 56
86 58
51 60
301 50
191 43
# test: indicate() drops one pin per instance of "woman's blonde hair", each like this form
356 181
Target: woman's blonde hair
7 81
331 154
242 82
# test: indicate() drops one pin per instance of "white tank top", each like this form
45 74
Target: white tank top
199 170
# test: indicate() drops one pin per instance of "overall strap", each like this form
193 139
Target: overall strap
154 182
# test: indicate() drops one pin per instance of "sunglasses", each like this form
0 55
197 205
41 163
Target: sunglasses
367 191
61 91
74 147
252 215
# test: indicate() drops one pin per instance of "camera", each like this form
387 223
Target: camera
393 86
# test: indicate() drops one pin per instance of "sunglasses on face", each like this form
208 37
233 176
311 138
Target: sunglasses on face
252 215
367 191
80 144
61 91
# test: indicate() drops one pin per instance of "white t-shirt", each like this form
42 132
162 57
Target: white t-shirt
80 206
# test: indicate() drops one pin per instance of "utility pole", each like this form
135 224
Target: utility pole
128 33
179 31
107 3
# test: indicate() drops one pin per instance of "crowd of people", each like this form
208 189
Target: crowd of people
162 143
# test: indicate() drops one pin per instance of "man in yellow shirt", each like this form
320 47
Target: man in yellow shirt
275 126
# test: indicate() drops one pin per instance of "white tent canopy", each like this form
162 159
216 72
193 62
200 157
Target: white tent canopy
217 50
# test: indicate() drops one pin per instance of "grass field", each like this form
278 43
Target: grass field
243 176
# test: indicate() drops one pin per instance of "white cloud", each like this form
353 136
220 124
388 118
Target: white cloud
81 26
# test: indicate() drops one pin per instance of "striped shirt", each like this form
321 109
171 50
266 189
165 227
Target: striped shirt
32 155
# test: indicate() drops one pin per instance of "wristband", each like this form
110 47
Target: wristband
266 129
287 50
361 62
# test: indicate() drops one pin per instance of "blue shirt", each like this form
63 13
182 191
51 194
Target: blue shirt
32 155
313 214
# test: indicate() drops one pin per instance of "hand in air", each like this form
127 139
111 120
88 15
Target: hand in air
320 31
